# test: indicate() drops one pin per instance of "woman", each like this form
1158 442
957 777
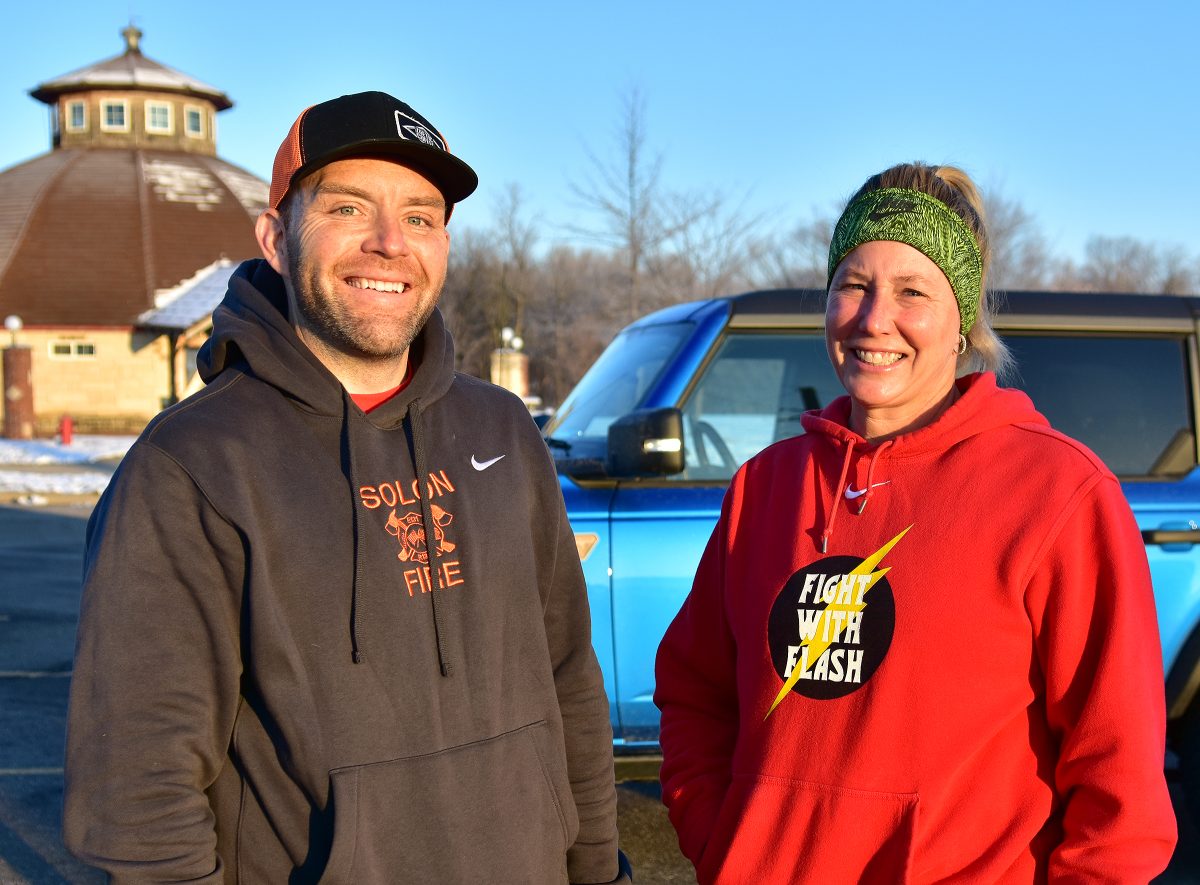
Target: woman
921 644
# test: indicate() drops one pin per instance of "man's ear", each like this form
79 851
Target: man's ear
268 230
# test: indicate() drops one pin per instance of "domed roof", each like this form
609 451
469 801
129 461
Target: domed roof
88 236
130 70
98 230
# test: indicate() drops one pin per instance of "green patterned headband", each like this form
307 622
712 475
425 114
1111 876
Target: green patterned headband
923 222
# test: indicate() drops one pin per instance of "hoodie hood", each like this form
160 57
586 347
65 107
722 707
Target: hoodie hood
981 406
252 332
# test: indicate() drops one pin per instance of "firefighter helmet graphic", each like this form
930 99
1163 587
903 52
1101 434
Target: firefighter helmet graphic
409 530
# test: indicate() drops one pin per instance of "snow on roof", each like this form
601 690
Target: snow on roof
190 302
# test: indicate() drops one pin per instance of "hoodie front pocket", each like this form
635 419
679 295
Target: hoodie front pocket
484 811
781 830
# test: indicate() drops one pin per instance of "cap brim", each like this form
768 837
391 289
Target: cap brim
454 178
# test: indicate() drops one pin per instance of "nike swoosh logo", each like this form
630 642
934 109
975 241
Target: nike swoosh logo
852 493
881 214
484 465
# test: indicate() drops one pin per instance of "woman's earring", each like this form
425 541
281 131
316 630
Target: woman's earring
962 344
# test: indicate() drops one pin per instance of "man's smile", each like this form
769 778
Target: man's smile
376 285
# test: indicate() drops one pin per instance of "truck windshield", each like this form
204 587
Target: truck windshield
615 384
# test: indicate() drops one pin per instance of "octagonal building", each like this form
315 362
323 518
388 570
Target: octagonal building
104 238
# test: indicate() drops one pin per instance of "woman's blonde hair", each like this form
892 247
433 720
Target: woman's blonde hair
953 187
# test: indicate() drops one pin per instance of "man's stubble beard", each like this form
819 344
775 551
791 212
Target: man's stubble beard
335 326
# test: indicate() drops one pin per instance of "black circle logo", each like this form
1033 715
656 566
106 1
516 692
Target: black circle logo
831 628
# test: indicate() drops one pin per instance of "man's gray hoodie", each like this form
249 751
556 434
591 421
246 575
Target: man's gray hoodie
278 679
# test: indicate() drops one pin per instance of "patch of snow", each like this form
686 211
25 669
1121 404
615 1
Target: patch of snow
74 479
82 450
81 483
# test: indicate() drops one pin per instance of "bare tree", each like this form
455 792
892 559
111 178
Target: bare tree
662 237
1179 274
709 251
1119 264
572 319
1019 259
468 299
799 259
624 193
518 239
493 277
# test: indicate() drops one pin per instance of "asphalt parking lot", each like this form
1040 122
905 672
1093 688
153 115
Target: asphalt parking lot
40 556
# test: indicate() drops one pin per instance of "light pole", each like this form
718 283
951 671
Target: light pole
510 367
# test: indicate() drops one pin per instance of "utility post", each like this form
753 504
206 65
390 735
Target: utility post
18 384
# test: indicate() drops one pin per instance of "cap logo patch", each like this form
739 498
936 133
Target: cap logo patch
415 130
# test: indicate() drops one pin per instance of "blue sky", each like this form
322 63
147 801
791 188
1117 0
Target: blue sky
1085 113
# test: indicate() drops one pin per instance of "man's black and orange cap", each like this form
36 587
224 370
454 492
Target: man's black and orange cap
368 124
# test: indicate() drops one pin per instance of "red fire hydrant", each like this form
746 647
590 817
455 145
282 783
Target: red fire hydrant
66 429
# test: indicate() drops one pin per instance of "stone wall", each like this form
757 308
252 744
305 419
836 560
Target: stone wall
107 380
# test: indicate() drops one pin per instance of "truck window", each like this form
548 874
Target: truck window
615 384
751 394
1127 398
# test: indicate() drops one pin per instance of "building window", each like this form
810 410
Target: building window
114 116
72 350
193 121
158 117
76 116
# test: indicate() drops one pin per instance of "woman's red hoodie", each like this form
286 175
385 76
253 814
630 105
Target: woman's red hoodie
934 659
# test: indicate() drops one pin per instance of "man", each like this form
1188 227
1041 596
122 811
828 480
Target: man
334 626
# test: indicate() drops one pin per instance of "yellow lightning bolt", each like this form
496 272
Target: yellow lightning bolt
817 647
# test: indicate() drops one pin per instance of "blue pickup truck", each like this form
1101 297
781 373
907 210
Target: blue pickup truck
647 442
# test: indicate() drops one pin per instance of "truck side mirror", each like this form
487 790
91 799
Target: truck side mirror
647 442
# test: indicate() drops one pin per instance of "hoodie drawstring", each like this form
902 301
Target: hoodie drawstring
841 488
431 544
837 496
862 505
359 538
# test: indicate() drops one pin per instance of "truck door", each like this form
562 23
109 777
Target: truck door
749 394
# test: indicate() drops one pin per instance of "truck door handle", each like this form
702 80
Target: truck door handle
1171 536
